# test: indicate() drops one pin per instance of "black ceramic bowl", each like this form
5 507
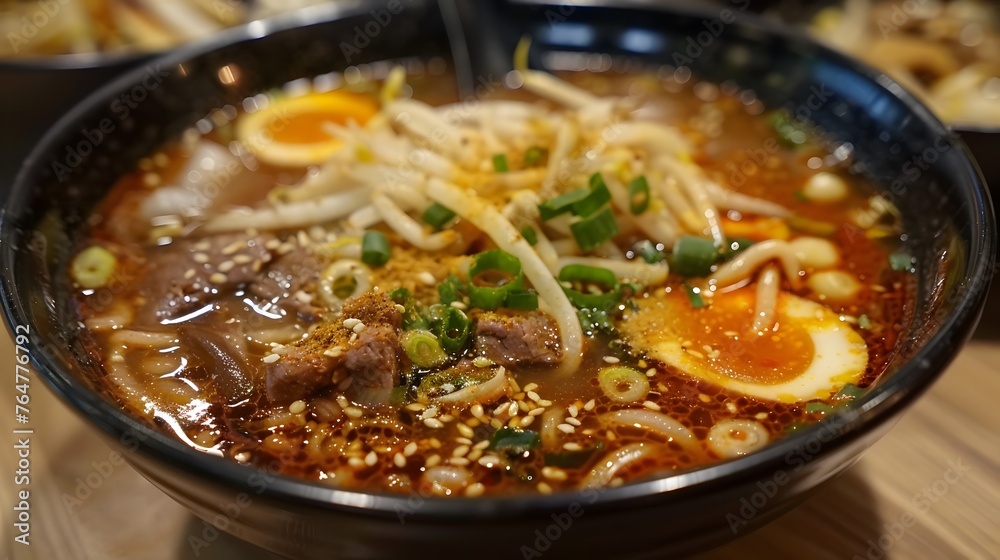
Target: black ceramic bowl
946 211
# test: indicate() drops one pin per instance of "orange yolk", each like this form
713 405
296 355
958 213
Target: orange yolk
725 326
305 125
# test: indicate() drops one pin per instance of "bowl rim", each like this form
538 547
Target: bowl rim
878 405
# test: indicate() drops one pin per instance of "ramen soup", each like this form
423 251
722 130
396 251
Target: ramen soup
579 281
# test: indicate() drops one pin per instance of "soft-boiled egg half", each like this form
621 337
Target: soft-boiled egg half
809 354
291 131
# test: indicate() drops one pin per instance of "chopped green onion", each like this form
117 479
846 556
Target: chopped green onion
812 227
484 268
375 249
452 327
864 322
595 276
800 196
693 256
648 251
849 392
423 348
697 301
534 155
586 273
561 204
789 133
592 232
522 300
400 295
572 459
638 195
437 216
513 441
93 267
623 384
598 196
529 235
451 289
500 163
901 262
819 408
594 321
399 396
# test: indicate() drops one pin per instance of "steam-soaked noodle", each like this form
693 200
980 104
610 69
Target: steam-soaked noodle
554 288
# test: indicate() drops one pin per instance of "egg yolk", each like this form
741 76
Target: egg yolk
303 123
720 336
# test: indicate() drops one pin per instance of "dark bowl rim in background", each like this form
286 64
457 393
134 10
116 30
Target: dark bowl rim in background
878 406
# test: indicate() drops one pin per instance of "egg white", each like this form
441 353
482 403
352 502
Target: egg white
840 354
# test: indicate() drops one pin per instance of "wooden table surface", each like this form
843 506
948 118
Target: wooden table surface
901 494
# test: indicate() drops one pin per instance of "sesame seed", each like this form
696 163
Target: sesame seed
651 372
463 440
410 449
351 322
610 436
465 430
459 305
651 405
553 473
477 410
200 258
474 490
704 398
573 410
433 461
566 428
433 423
573 421
572 446
401 308
731 407
189 274
226 266
218 278
297 407
342 401
534 396
303 297
334 351
427 278
430 412
760 416
489 461
354 412
399 460
415 407
271 358
544 402
642 363
495 423
526 421
610 360
359 328
371 458
537 411
458 461
482 445
590 405
544 488
356 462
460 451
474 455
513 409
616 482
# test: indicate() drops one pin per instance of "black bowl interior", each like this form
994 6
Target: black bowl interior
946 210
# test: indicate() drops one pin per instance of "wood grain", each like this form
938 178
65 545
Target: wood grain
85 507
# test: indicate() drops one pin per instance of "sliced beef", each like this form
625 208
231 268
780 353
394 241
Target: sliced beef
191 272
280 283
371 355
512 338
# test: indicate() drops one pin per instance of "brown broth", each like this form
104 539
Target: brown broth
325 444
